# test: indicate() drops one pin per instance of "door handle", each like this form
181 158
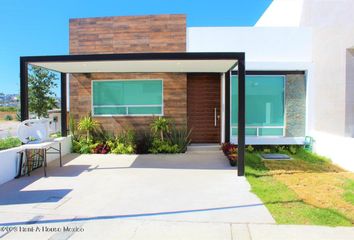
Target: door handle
215 117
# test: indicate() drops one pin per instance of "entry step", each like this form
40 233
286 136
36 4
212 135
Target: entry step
203 147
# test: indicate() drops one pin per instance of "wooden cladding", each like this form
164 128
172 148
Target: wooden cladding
203 101
128 34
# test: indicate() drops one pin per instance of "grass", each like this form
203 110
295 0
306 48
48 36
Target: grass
9 142
8 109
349 191
307 190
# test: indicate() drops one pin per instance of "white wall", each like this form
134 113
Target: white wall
287 48
330 79
8 159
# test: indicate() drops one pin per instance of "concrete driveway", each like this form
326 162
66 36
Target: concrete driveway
109 190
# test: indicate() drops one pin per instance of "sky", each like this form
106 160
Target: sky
41 27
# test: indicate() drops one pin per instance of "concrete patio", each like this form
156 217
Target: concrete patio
196 195
193 187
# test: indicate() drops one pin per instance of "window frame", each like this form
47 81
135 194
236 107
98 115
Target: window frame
259 127
128 115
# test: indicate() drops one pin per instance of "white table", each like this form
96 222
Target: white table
48 148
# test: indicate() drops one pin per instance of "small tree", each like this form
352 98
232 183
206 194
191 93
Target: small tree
160 125
41 96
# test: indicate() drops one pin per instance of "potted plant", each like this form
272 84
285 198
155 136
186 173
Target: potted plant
230 150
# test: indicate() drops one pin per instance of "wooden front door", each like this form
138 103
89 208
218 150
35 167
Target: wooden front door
203 103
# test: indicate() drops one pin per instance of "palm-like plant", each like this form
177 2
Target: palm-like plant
87 124
160 125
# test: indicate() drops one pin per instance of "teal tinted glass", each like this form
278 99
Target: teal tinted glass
109 110
271 132
248 131
142 92
144 110
133 96
264 100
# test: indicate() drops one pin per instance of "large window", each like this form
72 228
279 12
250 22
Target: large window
264 105
127 97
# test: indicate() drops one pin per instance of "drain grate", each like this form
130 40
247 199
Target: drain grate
275 156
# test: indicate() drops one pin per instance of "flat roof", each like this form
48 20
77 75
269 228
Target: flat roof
212 62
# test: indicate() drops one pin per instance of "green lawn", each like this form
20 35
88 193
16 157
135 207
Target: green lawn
288 189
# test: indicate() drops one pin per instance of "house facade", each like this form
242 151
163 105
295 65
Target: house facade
298 79
275 94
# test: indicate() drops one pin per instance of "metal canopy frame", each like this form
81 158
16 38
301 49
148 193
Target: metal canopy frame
239 56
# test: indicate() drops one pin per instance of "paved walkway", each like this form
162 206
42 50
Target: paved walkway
187 196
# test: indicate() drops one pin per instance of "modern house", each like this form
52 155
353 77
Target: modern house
298 79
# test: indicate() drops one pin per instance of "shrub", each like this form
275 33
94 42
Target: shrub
99 134
9 142
143 142
267 150
250 149
159 146
292 149
127 137
8 118
101 148
120 148
83 146
180 137
123 143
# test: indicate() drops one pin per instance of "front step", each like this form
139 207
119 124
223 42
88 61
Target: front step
203 148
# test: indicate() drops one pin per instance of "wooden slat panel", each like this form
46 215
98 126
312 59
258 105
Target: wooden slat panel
203 95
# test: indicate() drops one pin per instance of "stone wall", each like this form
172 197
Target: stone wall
295 105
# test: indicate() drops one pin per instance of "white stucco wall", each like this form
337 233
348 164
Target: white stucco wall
333 102
331 78
276 48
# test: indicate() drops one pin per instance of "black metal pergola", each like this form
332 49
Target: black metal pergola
222 62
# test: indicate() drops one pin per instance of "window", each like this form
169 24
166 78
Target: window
127 97
264 105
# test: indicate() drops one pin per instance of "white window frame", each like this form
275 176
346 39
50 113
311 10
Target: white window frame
265 126
127 106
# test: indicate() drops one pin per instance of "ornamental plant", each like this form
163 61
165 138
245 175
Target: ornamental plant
87 124
160 126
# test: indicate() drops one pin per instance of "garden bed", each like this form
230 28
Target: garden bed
163 137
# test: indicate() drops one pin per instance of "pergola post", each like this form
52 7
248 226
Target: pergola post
241 117
24 89
63 107
227 105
